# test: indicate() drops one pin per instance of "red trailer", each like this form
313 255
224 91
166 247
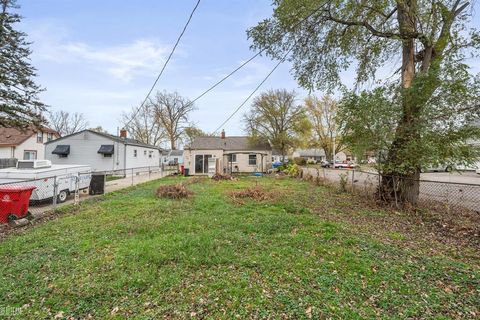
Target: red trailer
14 202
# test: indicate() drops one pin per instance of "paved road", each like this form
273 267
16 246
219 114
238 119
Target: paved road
452 189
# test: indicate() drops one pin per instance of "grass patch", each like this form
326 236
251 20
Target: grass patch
298 255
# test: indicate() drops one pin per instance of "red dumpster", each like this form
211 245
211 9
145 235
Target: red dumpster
14 201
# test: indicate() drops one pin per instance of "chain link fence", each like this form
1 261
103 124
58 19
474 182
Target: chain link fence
24 200
438 194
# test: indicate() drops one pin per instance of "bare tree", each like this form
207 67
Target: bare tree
66 123
322 113
171 112
143 125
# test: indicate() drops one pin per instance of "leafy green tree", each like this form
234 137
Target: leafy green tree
430 38
322 113
19 103
275 117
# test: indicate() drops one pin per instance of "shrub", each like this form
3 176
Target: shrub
173 191
292 170
299 161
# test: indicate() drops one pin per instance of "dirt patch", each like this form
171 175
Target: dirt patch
173 191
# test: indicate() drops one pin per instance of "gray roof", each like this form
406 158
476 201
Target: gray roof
176 153
311 152
127 141
229 144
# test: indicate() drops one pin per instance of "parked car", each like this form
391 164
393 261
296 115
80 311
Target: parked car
345 165
459 167
325 164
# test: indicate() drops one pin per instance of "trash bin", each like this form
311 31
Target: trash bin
186 171
97 184
14 202
182 168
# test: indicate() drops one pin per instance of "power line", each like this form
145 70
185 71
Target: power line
253 92
253 57
165 64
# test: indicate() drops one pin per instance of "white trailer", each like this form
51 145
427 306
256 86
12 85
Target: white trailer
45 176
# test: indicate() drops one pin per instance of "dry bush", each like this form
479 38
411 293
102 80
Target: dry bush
173 191
219 177
254 193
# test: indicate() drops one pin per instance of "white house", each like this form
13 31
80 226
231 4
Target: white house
170 157
232 154
27 144
102 151
278 157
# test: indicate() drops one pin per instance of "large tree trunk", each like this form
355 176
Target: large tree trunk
399 184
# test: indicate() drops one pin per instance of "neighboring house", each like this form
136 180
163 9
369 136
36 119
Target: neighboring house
310 155
27 144
277 156
232 154
172 157
102 151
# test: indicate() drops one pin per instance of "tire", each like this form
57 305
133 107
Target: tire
62 196
448 169
12 217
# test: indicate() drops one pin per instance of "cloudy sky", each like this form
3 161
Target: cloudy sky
101 57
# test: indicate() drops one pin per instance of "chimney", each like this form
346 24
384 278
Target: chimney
223 134
123 133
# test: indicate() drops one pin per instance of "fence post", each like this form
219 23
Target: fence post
55 187
353 180
149 172
132 176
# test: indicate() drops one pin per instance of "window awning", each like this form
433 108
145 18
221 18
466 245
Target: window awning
106 149
62 149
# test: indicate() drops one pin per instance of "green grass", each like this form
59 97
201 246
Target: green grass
133 255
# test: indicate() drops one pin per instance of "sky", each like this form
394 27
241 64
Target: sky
100 58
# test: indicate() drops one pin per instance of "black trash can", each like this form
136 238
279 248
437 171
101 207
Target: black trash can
97 184
186 171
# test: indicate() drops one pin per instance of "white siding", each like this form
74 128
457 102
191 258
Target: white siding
31 144
143 158
6 152
84 150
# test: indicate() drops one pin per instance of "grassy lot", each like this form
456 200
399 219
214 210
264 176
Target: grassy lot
308 252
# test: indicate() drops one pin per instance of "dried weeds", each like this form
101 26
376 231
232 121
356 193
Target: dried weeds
173 191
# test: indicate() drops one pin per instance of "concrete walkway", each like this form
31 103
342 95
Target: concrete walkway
110 186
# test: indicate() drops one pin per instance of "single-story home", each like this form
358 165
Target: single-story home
102 151
26 144
172 157
277 156
231 154
310 155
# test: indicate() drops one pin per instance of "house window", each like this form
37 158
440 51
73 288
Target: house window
150 154
252 159
107 155
49 136
232 158
29 155
40 137
144 152
135 153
